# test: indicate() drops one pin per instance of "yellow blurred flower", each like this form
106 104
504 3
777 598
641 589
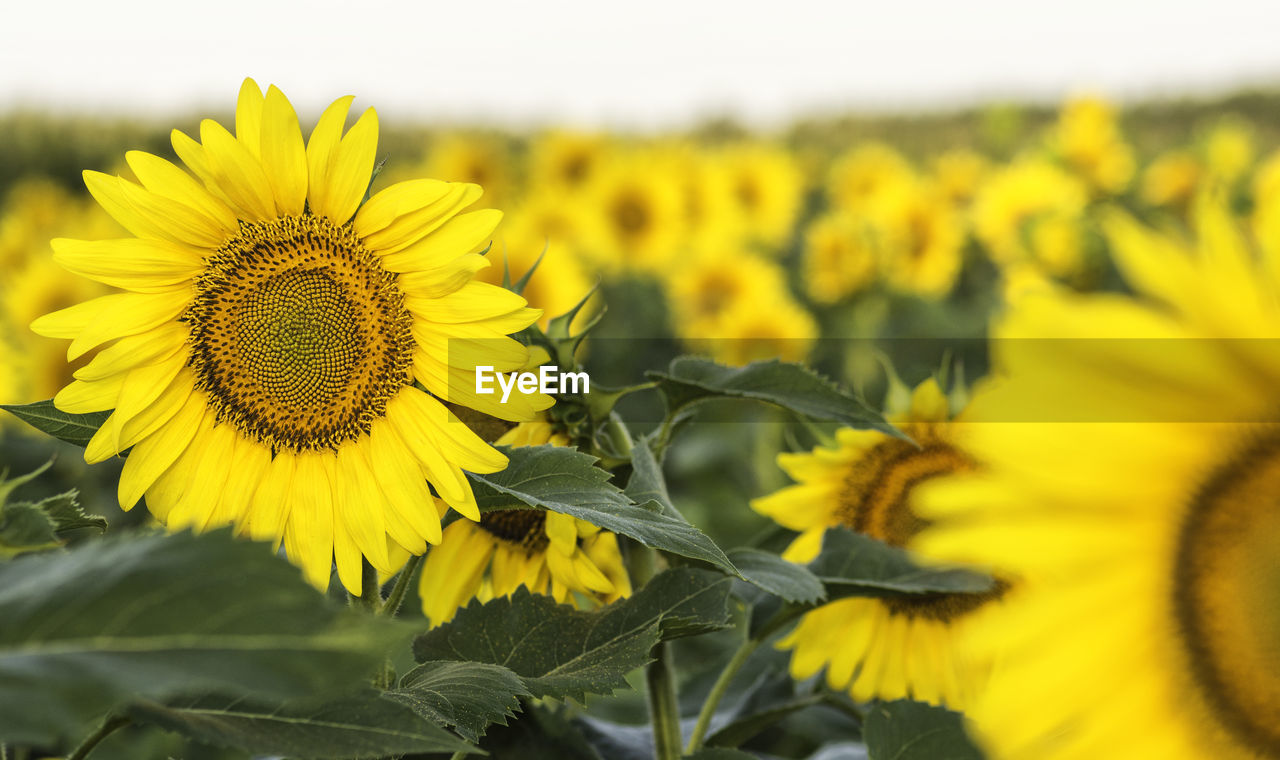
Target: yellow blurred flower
36 211
920 237
641 209
960 172
766 188
1144 523
550 223
1229 150
707 286
565 162
473 158
1087 136
1171 179
747 332
880 648
1031 211
839 257
547 552
864 170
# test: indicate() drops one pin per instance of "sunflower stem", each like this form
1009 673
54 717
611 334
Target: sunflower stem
109 725
391 606
740 657
717 693
370 589
664 709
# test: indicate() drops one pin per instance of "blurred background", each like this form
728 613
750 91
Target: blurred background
746 182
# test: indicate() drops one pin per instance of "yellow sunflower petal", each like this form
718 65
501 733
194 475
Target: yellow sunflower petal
396 201
249 117
321 149
81 397
465 233
238 173
155 454
164 179
413 225
143 266
350 170
130 314
284 155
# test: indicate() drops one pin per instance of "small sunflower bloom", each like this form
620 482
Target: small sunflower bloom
548 553
880 648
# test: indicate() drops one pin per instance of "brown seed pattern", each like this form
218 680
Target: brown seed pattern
299 336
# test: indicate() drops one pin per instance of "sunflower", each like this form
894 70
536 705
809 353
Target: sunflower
640 204
1087 137
280 356
565 161
839 256
546 230
1171 179
1031 212
1145 515
862 171
766 189
920 238
880 648
547 552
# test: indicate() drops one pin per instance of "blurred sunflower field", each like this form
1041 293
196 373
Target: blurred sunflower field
895 437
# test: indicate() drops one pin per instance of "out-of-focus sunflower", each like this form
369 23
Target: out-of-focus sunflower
839 257
476 159
863 171
749 331
549 227
1031 212
565 162
35 211
707 286
261 363
960 172
1171 179
1087 136
547 552
766 189
920 236
1229 150
1135 484
880 648
639 200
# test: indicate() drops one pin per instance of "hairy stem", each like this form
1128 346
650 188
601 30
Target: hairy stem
664 710
109 725
370 589
717 693
391 606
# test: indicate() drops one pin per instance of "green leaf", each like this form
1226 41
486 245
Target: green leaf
690 380
906 730
465 695
561 479
774 574
852 564
72 428
720 753
363 724
117 619
647 483
67 516
563 652
24 527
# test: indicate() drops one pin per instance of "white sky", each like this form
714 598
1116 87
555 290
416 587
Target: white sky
635 63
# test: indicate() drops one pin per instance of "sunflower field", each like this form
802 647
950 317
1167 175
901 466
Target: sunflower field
949 436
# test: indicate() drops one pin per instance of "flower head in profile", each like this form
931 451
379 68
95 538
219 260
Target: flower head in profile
282 348
890 648
1133 483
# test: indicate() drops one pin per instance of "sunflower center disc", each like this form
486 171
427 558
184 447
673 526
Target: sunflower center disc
522 527
876 502
299 336
1227 594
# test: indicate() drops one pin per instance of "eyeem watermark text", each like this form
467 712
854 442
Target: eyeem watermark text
548 379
